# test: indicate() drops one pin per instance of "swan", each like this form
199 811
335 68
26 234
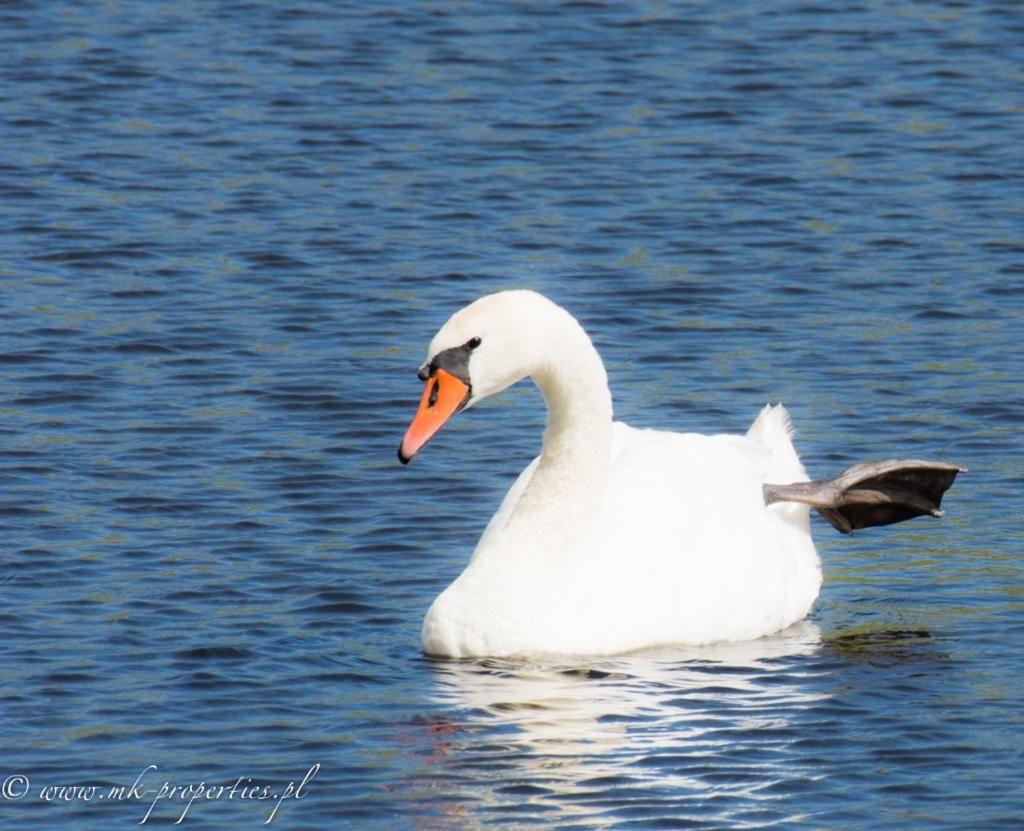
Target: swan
614 538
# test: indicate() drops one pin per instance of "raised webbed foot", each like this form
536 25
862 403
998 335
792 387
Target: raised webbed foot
873 493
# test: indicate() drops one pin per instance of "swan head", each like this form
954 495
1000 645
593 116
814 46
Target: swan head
483 348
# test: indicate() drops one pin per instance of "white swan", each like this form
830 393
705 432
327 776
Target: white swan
615 538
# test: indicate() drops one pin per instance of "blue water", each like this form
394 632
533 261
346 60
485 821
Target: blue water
229 231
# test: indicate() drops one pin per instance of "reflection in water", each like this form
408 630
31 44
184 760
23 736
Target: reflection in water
595 738
885 646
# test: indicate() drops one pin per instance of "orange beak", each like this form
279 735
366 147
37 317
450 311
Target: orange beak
443 397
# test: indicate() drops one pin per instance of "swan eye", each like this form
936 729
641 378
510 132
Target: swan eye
433 393
473 343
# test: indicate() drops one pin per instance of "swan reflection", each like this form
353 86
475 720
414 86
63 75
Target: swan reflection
582 735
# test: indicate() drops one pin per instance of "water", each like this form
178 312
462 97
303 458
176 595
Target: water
229 231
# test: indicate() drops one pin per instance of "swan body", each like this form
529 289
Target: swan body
681 549
613 539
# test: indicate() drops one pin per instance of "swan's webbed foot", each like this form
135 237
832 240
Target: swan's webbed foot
873 493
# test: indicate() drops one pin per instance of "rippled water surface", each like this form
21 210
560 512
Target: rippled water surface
229 231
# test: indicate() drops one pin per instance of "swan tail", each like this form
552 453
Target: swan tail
773 430
873 493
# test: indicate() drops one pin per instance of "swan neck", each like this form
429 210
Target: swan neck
579 408
568 487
